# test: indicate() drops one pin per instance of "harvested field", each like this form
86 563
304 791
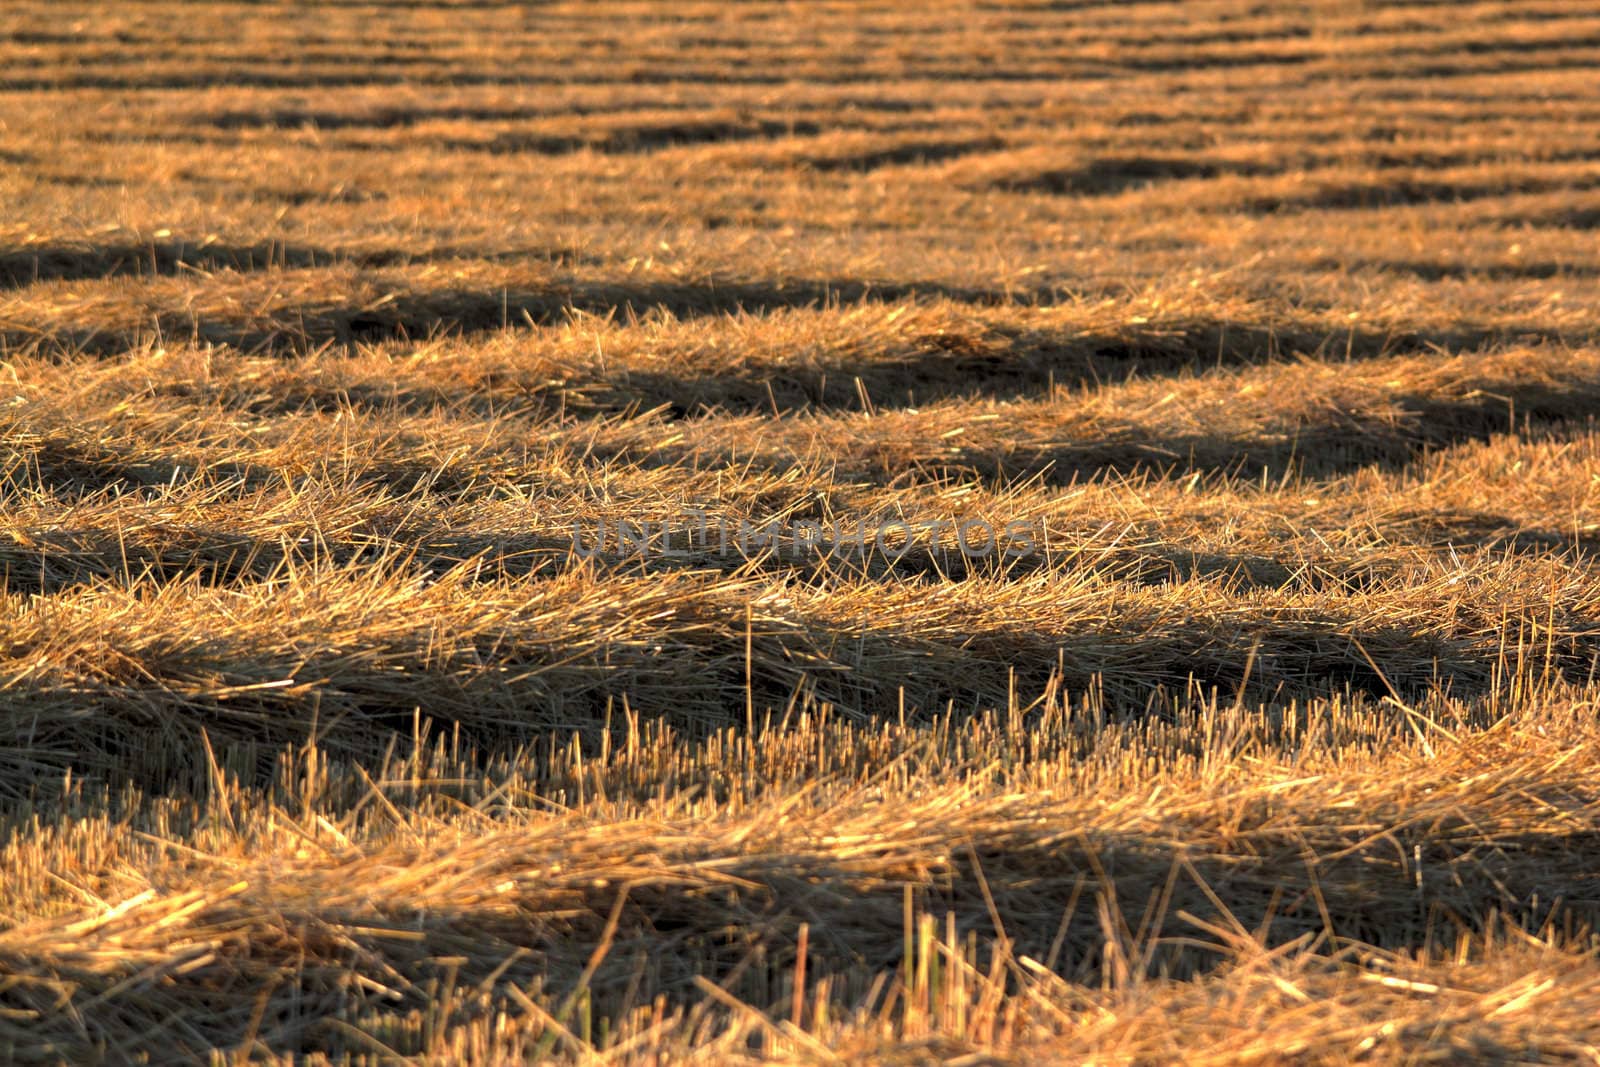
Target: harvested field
638 532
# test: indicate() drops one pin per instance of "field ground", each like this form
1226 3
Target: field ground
323 328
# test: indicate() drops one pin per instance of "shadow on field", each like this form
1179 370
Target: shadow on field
75 467
1582 218
691 663
1404 192
58 560
1071 899
1073 902
1345 442
53 561
975 360
389 117
941 364
1546 60
638 137
123 259
1394 182
930 368
427 313
1118 174
1185 58
1014 365
1532 270
910 151
935 365
273 73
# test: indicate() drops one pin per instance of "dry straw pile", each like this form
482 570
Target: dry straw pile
323 328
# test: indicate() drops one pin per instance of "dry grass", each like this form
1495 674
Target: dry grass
323 327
